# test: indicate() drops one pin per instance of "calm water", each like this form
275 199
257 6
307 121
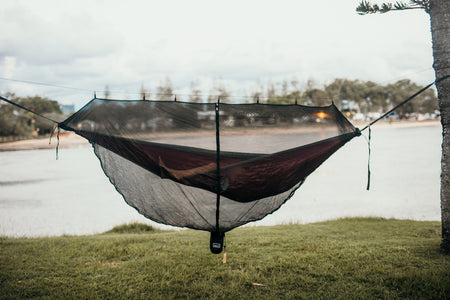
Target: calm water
40 196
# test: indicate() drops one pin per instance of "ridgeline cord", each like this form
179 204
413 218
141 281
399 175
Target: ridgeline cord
45 84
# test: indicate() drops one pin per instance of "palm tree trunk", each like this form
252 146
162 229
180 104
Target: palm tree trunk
440 29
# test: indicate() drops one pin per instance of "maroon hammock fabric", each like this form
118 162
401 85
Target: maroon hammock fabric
245 177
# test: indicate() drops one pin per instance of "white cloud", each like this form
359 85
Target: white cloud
9 65
123 44
39 37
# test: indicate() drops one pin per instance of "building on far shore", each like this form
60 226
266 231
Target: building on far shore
67 108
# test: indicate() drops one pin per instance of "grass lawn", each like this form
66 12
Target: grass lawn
357 258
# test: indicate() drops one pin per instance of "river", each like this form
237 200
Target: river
42 196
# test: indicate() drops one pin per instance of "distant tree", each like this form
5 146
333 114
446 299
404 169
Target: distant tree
371 96
271 91
353 90
283 97
317 97
195 95
430 103
402 89
45 107
11 124
165 91
284 87
294 83
144 93
40 105
17 122
290 98
336 90
256 97
219 90
439 12
345 89
375 96
107 92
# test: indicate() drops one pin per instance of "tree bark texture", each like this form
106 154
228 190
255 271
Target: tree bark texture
440 29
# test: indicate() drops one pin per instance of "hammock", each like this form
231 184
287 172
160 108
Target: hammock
209 166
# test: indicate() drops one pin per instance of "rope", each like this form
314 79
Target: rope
58 131
45 84
405 101
368 159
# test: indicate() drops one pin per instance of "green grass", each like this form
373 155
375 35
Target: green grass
344 259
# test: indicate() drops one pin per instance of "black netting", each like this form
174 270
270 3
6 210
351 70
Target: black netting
170 160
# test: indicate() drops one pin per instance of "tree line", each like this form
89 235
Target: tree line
366 96
15 121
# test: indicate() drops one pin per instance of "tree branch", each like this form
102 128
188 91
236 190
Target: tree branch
365 7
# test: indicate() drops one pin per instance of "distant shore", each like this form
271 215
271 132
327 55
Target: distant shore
71 140
66 141
400 124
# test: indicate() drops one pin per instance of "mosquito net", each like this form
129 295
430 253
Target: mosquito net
208 166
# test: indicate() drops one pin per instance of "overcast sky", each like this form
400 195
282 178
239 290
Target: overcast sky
239 44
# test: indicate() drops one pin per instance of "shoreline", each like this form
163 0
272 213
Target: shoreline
72 140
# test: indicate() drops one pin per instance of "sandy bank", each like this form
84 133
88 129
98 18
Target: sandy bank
73 140
400 124
65 141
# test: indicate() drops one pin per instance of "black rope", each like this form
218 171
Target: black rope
368 159
57 144
405 101
27 109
